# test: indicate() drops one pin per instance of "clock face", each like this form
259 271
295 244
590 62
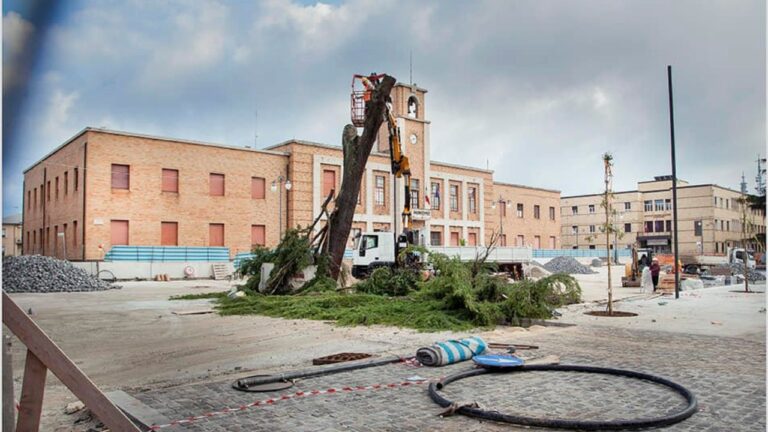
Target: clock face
414 139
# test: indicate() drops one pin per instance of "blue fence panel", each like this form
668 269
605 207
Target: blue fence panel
167 253
246 255
577 253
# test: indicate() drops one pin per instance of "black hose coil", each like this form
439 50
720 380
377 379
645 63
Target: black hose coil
564 423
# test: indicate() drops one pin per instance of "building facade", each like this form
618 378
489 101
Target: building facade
709 218
12 240
104 188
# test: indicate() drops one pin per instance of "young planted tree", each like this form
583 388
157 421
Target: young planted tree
747 233
608 228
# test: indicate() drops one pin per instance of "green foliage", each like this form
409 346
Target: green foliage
537 299
209 295
388 282
251 267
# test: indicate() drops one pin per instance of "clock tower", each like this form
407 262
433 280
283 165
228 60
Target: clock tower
408 108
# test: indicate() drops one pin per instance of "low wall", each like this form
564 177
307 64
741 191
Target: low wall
127 270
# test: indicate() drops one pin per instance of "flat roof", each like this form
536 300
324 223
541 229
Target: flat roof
153 137
658 190
525 187
450 165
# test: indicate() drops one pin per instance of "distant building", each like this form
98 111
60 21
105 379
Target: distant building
709 218
104 188
12 235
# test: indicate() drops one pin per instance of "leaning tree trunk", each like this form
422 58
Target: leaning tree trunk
356 151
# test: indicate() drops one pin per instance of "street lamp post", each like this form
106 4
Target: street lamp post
501 201
279 183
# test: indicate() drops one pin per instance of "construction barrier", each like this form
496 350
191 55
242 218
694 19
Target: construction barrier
167 253
579 253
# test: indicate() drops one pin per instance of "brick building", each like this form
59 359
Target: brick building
104 188
12 235
709 218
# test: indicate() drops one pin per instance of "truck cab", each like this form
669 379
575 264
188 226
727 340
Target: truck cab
373 249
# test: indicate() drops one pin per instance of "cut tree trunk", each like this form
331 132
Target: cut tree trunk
356 151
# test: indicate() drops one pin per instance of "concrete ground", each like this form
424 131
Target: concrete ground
129 339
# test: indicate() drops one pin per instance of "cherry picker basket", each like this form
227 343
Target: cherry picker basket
361 95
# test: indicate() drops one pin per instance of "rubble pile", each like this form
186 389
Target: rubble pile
567 265
597 262
41 274
753 275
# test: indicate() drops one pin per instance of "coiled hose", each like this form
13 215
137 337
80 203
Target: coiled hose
565 423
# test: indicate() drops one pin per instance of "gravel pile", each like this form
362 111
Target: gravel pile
40 274
567 265
752 275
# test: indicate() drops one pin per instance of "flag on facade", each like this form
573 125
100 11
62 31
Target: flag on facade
426 198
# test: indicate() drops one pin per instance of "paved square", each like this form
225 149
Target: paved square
726 374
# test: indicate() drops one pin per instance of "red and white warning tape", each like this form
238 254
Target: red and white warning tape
285 397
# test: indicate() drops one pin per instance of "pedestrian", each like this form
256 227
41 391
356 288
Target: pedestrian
655 269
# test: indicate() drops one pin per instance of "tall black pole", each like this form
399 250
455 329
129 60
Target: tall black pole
674 185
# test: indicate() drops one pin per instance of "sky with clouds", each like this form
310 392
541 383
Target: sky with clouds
536 90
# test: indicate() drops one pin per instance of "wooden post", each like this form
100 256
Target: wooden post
44 353
31 402
9 408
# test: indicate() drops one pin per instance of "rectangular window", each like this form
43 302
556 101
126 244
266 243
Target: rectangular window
121 176
658 226
591 228
648 205
552 242
727 225
551 213
715 203
435 237
29 200
74 233
519 210
435 196
537 242
697 225
329 182
170 180
649 227
520 241
415 193
473 239
258 235
472 197
258 187
627 227
57 187
66 183
216 184
119 230
627 206
668 225
169 233
658 205
215 234
76 179
727 203
55 240
536 212
575 209
721 202
34 192
379 196
503 240
668 204
591 208
454 239
454 198
574 229
503 208
48 191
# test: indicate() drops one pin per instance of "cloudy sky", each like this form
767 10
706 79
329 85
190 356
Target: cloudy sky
535 90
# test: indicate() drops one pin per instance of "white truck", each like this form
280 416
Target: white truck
698 263
378 249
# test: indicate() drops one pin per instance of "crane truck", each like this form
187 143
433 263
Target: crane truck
381 249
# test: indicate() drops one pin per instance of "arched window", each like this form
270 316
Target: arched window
413 107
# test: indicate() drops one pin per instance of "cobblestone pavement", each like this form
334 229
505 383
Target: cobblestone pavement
726 374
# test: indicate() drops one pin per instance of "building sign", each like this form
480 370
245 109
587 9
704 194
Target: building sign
421 214
657 242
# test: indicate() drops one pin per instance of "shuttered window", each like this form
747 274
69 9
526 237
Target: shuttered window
169 233
121 176
119 230
454 239
170 180
329 182
216 184
216 234
472 239
258 235
257 188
